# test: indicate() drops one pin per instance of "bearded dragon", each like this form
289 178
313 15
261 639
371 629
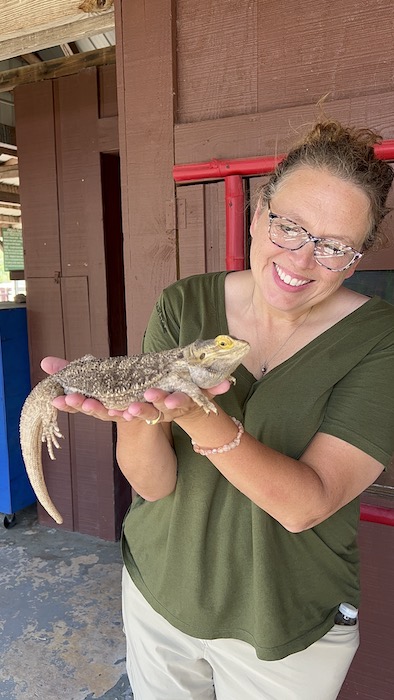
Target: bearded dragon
116 382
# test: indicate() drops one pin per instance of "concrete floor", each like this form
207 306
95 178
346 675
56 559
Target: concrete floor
60 615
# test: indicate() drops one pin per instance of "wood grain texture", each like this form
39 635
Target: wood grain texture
31 25
80 200
191 230
145 67
108 101
55 68
215 226
217 68
37 169
274 131
310 49
90 441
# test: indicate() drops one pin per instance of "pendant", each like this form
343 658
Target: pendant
264 370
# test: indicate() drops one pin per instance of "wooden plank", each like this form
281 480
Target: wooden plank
7 170
201 218
108 135
7 138
90 440
80 196
215 226
274 131
108 99
8 197
38 175
191 229
217 66
306 50
55 68
145 66
30 25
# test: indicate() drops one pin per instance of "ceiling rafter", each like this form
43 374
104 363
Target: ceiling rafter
56 68
9 193
31 58
27 26
9 168
7 140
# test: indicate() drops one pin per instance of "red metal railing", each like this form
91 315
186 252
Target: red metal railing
232 172
377 514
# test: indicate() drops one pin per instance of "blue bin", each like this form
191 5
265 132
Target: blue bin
15 490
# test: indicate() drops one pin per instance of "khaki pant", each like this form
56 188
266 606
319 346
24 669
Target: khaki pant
166 664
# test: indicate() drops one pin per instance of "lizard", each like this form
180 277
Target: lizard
116 382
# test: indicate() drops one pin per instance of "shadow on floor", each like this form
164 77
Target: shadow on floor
60 615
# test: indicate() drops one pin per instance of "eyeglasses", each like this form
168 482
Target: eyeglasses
328 253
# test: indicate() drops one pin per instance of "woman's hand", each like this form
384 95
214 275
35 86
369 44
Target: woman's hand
172 406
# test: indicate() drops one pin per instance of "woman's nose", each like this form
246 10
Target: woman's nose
305 255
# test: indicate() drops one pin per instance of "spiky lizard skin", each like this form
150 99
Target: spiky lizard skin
117 382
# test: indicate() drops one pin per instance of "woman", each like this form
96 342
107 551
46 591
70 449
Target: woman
236 563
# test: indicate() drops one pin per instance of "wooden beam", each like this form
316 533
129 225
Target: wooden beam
268 133
66 49
31 58
9 193
31 25
56 68
7 220
8 170
7 139
11 208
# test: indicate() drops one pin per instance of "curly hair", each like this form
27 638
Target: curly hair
348 153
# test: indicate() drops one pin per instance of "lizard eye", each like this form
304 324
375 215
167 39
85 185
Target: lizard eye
224 341
202 355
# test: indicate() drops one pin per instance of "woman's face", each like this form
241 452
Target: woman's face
327 207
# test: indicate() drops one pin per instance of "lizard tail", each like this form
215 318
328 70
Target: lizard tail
38 424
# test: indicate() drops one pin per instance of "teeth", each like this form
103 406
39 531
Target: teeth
292 281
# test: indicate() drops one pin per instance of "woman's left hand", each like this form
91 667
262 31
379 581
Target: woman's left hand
172 406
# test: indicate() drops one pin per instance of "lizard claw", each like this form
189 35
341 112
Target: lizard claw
50 433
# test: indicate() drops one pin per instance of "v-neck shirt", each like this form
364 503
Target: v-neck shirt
207 558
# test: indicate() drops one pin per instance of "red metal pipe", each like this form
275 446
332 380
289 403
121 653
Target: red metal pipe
385 150
235 223
218 169
377 514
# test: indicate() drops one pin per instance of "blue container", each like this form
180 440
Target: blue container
15 490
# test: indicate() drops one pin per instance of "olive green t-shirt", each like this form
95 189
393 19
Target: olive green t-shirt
205 557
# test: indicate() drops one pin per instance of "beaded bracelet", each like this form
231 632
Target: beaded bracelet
223 448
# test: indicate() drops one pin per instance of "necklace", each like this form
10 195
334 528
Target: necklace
265 365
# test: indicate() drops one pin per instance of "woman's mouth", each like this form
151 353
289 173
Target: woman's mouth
289 280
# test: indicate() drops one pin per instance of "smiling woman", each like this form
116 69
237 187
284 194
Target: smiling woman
239 553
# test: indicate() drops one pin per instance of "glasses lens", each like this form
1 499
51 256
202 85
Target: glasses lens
286 234
333 255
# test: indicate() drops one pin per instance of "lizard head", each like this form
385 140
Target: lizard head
212 361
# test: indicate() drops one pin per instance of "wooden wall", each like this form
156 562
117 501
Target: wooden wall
63 127
232 79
